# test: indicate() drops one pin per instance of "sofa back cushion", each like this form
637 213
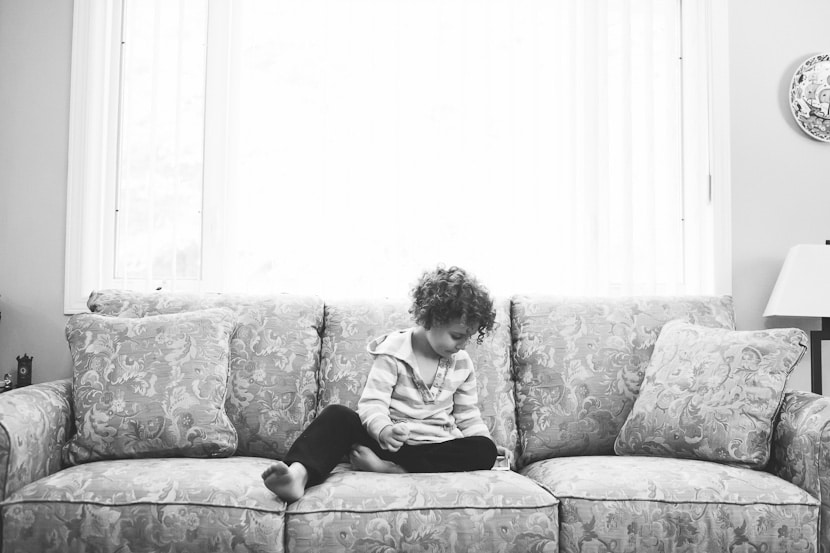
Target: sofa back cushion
345 363
579 363
712 394
274 358
150 387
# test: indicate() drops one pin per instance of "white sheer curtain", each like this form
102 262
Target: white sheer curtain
351 144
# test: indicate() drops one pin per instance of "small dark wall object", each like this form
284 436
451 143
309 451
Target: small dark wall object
816 337
24 370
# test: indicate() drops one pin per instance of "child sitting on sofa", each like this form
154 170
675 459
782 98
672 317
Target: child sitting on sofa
419 409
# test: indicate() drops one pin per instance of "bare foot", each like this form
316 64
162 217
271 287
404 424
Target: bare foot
287 482
363 458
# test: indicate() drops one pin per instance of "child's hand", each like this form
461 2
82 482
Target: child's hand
393 437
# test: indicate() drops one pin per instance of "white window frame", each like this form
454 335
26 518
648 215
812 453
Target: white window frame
716 21
93 145
93 131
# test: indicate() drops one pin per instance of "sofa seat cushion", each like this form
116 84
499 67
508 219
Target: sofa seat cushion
663 504
471 511
183 505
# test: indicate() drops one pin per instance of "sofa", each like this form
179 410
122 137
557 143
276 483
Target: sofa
567 384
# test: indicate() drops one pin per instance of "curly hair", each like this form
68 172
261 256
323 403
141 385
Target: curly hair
443 295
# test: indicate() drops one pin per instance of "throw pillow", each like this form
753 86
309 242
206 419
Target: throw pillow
150 387
711 394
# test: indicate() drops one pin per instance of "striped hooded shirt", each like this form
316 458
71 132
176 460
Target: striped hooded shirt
396 392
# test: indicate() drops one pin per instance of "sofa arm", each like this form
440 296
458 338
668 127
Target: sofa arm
35 422
801 451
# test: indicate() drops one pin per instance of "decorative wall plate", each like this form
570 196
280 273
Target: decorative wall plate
810 97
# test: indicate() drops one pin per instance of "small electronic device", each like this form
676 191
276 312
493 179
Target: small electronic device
502 463
24 370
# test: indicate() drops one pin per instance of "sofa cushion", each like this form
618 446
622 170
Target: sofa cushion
712 394
151 387
345 364
274 358
579 363
183 505
471 511
349 326
658 504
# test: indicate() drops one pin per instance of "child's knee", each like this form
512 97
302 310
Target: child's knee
486 444
486 450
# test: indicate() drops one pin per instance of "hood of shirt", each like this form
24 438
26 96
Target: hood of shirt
398 344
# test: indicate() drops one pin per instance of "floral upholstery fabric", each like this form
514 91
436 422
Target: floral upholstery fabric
487 511
345 364
712 394
150 387
652 504
274 358
35 423
801 451
176 505
579 363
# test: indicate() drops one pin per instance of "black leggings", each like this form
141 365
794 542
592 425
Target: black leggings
337 428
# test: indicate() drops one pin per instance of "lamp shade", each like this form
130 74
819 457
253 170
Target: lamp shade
803 286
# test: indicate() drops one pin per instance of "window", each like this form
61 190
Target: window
341 147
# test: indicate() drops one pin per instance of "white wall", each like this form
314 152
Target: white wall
35 43
780 177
